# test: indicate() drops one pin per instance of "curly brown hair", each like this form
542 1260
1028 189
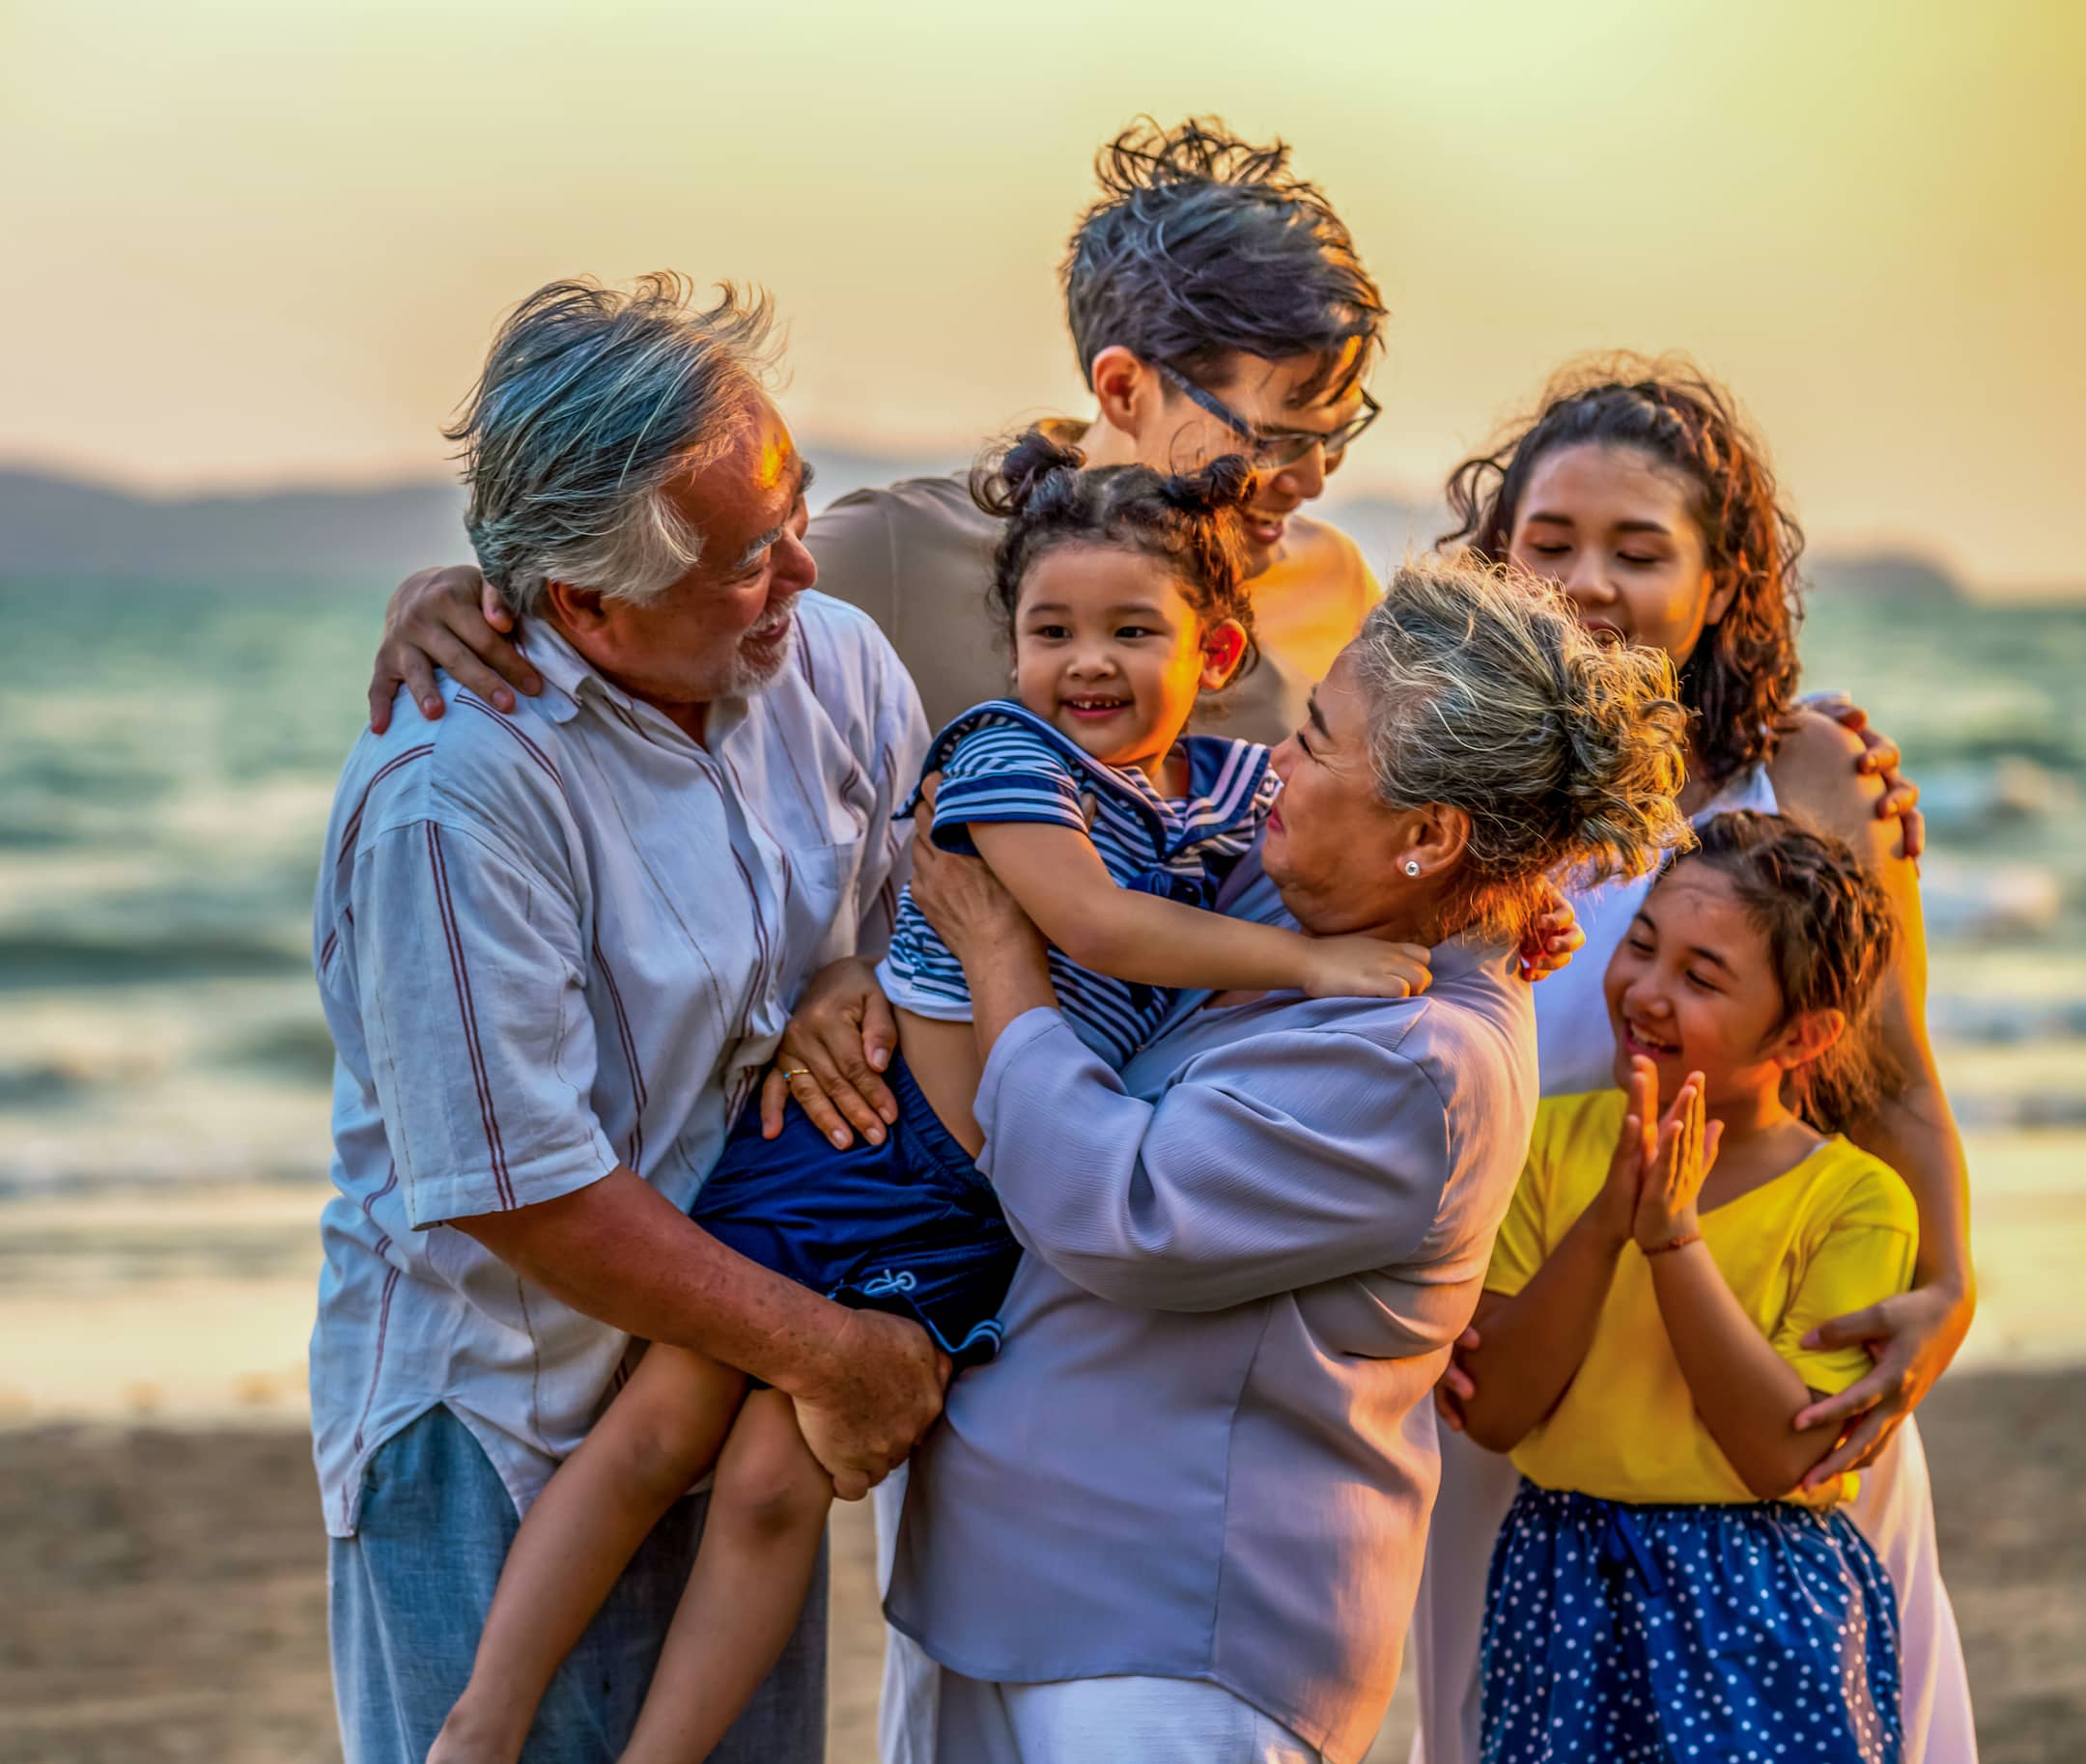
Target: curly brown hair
1739 682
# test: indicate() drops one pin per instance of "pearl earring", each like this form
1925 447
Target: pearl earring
1412 866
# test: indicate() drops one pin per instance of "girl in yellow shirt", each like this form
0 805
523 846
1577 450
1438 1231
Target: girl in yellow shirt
1669 1583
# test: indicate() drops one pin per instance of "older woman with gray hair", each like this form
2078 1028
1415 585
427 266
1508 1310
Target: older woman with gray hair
1181 1519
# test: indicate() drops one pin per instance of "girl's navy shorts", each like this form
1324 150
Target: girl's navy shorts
908 1226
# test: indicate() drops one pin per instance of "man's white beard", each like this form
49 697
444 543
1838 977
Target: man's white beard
747 677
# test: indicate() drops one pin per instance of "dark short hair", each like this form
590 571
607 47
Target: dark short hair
1740 680
1202 247
1190 521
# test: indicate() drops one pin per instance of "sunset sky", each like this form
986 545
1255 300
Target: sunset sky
249 243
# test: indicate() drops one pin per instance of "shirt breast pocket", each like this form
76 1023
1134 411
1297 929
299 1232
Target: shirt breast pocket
825 904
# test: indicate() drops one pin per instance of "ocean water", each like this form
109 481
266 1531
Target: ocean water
167 758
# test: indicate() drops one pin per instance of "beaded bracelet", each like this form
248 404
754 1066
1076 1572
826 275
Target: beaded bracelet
1675 1242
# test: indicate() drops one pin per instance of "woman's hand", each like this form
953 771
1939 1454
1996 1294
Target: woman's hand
1679 1164
1364 967
963 900
839 1039
1455 1387
1553 938
1879 759
447 617
1913 1337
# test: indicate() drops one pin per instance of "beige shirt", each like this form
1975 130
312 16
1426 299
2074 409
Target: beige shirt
917 559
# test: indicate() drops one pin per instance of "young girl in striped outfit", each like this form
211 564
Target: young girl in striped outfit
1674 1580
1124 590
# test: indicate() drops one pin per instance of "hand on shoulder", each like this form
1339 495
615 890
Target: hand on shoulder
1817 777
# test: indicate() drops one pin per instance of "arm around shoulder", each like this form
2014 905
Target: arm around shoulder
1911 1128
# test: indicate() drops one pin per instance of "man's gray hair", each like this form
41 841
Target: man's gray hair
591 402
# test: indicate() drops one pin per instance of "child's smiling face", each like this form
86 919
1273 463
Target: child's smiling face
1692 988
1108 652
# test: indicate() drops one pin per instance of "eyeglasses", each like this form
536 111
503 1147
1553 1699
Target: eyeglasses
1270 450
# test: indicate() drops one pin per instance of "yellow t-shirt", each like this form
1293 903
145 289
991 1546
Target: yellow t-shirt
1835 1233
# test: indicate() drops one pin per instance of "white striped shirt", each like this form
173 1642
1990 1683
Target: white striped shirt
547 945
1002 762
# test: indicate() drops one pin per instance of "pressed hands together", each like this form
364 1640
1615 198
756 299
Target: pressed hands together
1511 1370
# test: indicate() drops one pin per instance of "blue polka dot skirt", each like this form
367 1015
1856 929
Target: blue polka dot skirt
1666 1634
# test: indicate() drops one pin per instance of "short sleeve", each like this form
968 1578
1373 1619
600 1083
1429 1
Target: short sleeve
472 982
1866 1253
1002 771
1523 1242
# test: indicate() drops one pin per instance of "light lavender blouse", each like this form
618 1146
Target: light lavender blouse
1205 1450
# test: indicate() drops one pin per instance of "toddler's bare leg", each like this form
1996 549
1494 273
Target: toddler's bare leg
760 1546
658 1436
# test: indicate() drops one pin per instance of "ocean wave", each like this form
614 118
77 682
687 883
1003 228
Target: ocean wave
1987 1021
41 1083
2012 791
56 958
2026 1111
1967 902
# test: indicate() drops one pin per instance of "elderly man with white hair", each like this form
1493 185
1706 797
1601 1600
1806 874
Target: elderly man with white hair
556 949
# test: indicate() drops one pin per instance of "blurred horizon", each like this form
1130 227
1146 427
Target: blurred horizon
261 248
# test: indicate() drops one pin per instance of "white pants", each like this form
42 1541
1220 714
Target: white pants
907 1708
1108 1721
1895 1512
928 1716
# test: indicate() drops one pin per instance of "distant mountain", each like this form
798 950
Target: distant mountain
52 525
65 527
1899 575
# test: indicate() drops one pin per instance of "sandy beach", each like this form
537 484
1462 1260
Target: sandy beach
164 1565
165 1568
166 1588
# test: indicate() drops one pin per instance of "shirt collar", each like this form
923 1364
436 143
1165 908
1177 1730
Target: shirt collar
561 668
574 682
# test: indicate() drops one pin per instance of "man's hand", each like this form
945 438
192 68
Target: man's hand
1879 759
839 1039
884 1392
1911 1337
447 617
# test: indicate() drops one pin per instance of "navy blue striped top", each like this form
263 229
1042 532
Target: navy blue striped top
1000 762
